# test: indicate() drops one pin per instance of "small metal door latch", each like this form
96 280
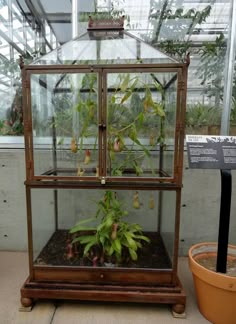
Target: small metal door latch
103 180
102 125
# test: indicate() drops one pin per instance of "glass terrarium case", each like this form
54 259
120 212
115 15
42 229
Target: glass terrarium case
104 131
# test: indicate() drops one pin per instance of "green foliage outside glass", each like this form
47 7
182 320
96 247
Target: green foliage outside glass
210 70
202 115
162 16
174 23
12 124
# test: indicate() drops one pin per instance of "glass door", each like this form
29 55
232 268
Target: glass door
141 124
64 117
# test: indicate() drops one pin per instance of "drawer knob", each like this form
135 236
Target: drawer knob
101 275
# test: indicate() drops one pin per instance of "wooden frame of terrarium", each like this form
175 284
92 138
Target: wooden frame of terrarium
100 283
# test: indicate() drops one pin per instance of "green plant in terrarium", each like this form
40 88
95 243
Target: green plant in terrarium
113 239
79 104
134 112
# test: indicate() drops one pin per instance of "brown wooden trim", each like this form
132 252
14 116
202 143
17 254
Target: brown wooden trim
69 68
29 230
29 134
111 295
102 275
102 287
56 170
141 69
26 118
183 94
108 178
177 228
61 69
178 161
119 180
96 185
104 121
100 126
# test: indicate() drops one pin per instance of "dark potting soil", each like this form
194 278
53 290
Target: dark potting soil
55 253
210 264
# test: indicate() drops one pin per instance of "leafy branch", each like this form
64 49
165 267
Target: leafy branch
113 237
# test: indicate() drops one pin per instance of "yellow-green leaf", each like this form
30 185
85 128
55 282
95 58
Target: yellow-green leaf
125 83
134 84
158 108
126 96
133 254
113 99
117 245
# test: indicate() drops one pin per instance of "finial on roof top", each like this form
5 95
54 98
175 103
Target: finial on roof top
106 24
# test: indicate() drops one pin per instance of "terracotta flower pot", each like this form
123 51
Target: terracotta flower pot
216 292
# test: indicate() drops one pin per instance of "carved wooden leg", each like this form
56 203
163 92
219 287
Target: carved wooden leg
178 308
26 302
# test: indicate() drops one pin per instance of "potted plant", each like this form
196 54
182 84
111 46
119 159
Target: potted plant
203 119
215 291
213 266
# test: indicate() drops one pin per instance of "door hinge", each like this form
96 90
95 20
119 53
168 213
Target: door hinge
26 84
29 165
27 126
181 85
180 127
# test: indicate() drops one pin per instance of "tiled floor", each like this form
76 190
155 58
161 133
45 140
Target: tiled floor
14 270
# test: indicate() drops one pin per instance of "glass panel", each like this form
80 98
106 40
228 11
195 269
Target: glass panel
168 125
125 222
105 48
43 219
65 130
141 124
167 222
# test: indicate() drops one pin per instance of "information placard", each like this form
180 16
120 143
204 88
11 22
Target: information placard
211 152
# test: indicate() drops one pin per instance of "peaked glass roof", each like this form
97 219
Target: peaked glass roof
104 47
